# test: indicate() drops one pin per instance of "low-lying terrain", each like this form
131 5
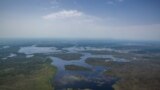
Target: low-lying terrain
68 56
83 65
76 68
136 75
20 73
97 61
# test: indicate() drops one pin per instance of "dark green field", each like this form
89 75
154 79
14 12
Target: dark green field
76 68
136 75
21 73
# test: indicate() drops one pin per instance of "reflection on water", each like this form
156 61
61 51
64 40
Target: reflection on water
94 80
65 79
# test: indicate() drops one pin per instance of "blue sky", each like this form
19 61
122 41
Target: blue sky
113 19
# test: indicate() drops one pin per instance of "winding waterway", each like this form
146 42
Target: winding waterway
92 80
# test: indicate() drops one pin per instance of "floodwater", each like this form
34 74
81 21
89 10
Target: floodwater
72 79
92 80
33 49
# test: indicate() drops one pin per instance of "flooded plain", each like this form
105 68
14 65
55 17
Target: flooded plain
79 75
92 79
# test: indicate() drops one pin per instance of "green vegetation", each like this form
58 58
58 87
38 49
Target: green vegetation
128 56
136 75
4 52
20 73
98 61
68 56
76 68
99 52
77 89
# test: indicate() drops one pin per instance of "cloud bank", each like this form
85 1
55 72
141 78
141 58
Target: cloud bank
76 24
63 14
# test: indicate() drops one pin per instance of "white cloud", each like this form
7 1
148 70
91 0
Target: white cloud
63 14
76 24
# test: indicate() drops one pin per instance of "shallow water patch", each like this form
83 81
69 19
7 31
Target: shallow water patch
34 50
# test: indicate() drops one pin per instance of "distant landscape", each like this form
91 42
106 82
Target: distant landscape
79 65
79 44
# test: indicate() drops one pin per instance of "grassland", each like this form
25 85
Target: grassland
140 74
76 68
97 61
128 56
136 75
20 73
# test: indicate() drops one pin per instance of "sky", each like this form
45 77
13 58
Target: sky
97 19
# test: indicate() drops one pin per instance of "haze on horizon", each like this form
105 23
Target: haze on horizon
107 19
